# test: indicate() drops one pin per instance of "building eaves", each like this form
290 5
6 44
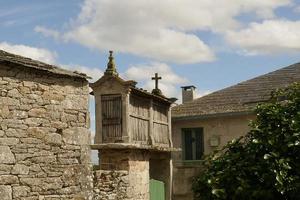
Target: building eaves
13 59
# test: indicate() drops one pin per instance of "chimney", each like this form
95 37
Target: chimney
188 93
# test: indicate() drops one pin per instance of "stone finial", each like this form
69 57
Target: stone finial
111 66
156 90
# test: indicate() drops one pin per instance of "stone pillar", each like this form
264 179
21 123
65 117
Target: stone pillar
132 162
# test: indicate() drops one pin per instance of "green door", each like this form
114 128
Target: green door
157 190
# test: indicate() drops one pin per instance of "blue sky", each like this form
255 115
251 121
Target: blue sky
210 44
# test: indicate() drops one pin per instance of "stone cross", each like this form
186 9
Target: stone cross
156 78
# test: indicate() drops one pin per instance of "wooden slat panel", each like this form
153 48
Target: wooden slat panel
111 117
139 128
139 118
161 133
160 112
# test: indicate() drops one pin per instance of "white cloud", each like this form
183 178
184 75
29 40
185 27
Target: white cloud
169 84
40 54
297 9
270 36
46 32
94 73
160 30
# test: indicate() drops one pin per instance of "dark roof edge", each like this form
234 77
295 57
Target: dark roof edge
38 65
74 75
146 93
208 116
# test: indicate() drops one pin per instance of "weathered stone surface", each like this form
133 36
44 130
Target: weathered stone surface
34 122
37 112
24 90
20 169
6 156
58 125
5 169
8 101
53 138
4 111
5 192
31 181
14 93
20 191
16 133
75 102
29 84
77 136
111 185
37 132
19 114
9 141
8 179
52 95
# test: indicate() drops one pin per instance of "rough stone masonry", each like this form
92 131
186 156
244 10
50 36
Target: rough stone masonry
44 135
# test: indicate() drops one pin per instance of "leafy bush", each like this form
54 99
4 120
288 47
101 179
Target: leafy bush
264 164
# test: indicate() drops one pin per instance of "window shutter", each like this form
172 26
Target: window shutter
188 144
199 143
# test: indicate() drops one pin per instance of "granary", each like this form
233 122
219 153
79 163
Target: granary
202 125
133 134
44 131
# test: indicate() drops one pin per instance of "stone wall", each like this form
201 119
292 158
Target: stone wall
110 185
44 136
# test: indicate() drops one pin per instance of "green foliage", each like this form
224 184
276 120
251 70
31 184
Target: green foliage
264 164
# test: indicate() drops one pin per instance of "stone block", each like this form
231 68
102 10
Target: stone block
76 136
77 102
8 179
53 139
5 192
16 133
6 156
5 169
9 101
58 124
14 93
35 122
37 112
9 141
37 132
4 111
20 191
20 169
19 114
53 95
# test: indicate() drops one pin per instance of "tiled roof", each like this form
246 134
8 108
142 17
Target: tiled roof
9 58
238 98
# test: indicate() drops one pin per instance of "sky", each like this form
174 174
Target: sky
211 44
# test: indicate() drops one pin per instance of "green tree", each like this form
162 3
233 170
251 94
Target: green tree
264 164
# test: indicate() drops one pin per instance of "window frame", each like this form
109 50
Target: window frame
194 131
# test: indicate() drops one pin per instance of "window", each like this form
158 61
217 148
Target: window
192 143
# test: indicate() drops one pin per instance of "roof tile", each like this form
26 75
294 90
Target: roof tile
241 97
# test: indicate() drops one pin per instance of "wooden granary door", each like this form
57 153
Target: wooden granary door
111 118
